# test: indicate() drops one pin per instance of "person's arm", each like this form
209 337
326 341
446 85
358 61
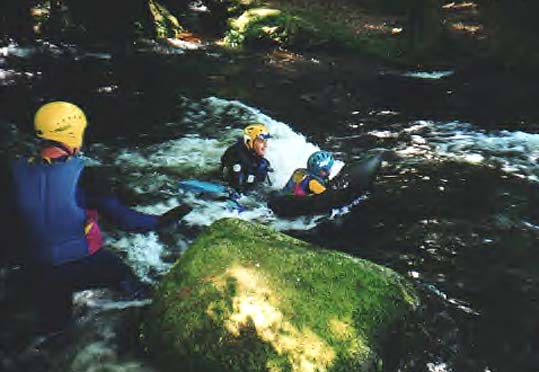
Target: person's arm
131 220
126 218
264 169
289 186
95 192
233 169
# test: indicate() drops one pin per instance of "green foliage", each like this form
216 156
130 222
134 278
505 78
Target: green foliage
299 28
244 297
263 26
165 24
334 35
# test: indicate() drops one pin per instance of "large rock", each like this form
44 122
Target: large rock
244 297
259 26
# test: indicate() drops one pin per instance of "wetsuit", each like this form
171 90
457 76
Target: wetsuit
57 205
242 168
303 183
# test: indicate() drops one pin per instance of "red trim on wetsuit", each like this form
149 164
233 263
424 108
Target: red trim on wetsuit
94 237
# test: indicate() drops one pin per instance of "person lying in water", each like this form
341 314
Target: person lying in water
243 164
308 191
57 201
311 180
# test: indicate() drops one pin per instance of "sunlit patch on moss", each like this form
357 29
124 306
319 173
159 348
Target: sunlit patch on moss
344 330
258 26
252 15
341 330
256 304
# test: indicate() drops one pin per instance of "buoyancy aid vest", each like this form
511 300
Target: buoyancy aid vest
47 204
298 184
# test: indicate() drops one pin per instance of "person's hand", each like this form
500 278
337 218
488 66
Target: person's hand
173 215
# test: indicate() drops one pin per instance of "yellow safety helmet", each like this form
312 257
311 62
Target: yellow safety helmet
62 122
254 131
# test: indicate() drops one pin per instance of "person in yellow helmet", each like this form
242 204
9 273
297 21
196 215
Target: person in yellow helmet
243 164
57 202
61 122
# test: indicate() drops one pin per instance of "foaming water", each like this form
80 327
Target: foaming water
99 300
94 345
13 49
11 77
514 152
438 367
101 354
102 56
197 155
208 211
159 168
190 155
429 75
144 253
287 150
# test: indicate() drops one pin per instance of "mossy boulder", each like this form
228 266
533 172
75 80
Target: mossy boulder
304 28
259 26
244 297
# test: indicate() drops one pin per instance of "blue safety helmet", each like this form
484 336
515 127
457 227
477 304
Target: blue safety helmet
320 161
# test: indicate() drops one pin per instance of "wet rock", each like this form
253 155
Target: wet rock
245 297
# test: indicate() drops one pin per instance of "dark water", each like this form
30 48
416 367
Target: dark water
465 232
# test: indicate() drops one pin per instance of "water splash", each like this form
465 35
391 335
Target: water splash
144 253
430 75
514 152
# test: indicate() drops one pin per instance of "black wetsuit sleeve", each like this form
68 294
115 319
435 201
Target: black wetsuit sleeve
264 168
232 168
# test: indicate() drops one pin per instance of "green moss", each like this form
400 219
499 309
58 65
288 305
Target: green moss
303 29
165 24
266 26
244 297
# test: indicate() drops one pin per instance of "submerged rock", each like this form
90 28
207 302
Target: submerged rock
244 297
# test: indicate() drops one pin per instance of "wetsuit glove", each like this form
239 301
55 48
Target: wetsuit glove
173 215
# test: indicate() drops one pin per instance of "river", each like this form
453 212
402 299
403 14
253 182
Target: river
453 209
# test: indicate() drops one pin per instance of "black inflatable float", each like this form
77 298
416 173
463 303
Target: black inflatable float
361 177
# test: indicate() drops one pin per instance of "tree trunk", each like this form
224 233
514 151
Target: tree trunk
424 23
110 20
55 22
15 20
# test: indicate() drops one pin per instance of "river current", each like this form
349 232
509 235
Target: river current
452 208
